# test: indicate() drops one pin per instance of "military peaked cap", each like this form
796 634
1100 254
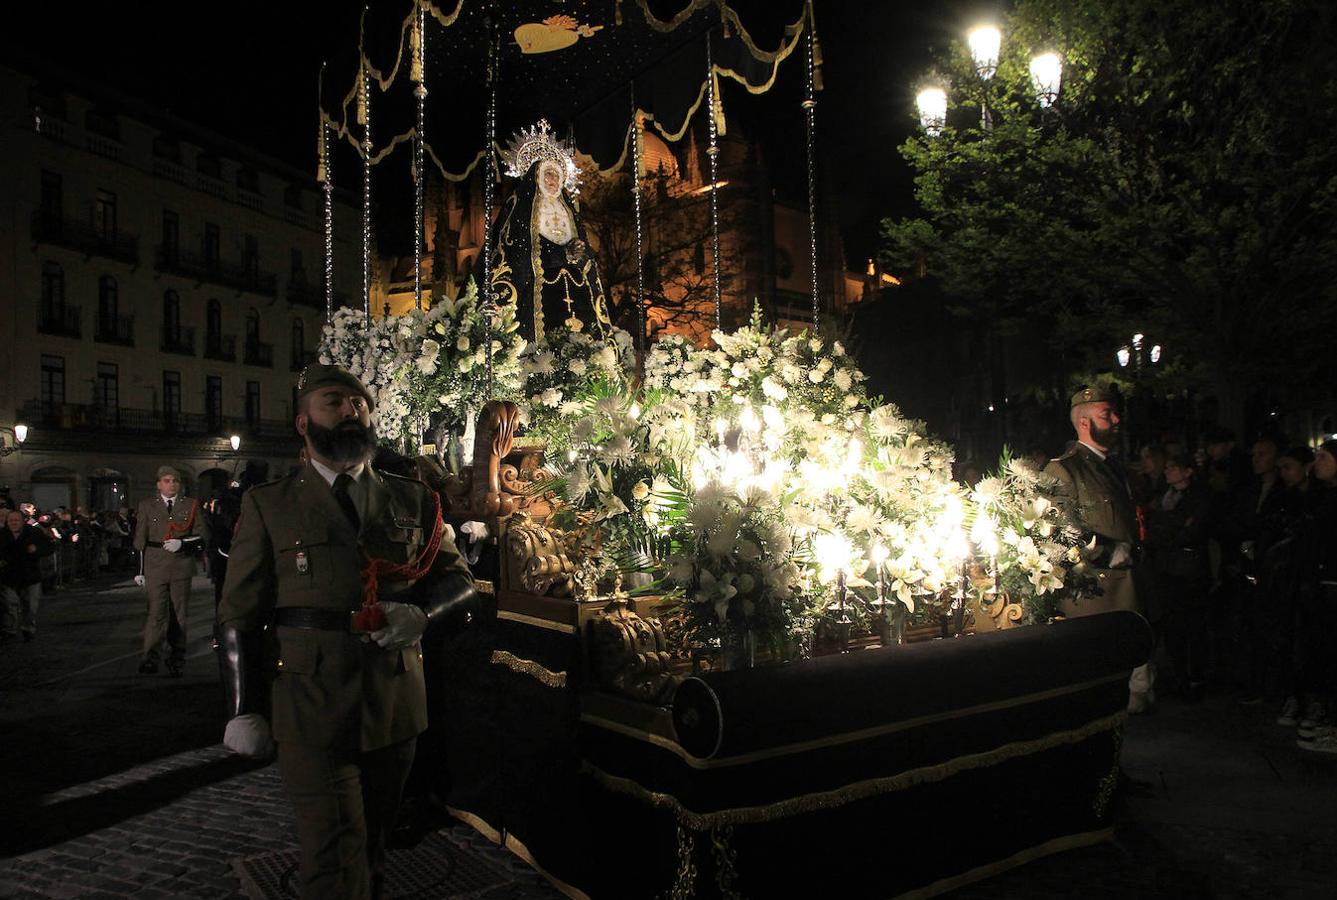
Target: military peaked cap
317 376
169 470
1092 394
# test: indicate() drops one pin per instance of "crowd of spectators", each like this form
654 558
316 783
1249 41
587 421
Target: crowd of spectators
43 550
1241 549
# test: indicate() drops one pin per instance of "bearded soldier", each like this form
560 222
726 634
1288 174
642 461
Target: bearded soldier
349 567
1106 513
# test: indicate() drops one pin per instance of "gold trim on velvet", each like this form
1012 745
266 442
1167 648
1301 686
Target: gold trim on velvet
698 762
529 667
1021 857
519 849
849 793
535 621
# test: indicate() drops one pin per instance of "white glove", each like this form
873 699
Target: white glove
477 531
139 581
1121 555
248 735
404 624
172 545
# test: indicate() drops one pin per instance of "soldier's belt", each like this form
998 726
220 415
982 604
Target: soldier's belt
316 618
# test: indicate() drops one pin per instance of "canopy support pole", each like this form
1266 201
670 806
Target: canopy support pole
489 305
636 164
419 137
713 151
810 112
366 189
325 175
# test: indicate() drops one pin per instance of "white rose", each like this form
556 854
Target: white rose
640 491
816 376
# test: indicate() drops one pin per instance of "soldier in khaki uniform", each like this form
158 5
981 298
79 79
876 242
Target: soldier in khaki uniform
1105 506
348 566
169 532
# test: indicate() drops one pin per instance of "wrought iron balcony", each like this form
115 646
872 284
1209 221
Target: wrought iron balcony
115 330
53 229
175 261
65 321
94 418
222 347
178 340
258 354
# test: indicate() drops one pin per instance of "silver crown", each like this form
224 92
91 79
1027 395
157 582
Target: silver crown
529 145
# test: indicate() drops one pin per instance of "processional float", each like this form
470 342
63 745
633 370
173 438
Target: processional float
577 735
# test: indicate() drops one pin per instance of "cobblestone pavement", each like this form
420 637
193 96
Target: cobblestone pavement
114 784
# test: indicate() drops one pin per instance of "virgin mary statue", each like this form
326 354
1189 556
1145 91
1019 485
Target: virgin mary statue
541 261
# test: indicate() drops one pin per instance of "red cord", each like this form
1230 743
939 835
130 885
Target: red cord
371 617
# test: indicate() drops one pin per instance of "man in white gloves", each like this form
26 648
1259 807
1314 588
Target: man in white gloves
169 535
347 567
1106 512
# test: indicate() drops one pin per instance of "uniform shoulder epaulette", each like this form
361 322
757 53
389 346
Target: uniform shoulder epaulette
273 482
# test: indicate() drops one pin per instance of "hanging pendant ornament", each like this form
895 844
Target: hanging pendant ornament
637 164
489 305
419 136
713 151
810 111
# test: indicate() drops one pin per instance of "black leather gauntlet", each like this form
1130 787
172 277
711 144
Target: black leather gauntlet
240 653
451 600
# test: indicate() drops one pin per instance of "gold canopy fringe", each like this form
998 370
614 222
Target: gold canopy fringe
862 790
412 46
528 667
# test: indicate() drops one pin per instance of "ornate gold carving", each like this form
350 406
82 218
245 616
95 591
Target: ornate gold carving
628 653
1005 612
535 562
529 667
504 478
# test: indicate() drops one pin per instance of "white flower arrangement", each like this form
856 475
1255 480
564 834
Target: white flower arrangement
424 368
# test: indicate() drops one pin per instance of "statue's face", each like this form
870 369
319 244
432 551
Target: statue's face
550 178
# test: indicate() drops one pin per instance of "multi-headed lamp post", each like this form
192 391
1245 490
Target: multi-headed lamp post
985 42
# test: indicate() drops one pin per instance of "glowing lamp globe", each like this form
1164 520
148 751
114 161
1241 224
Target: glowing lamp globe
932 105
235 441
20 433
984 43
1046 77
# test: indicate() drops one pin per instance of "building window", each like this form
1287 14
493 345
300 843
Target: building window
106 390
104 215
248 180
53 199
53 291
298 344
292 196
298 267
167 148
171 398
253 403
108 303
213 402
105 124
171 236
211 242
213 324
171 319
53 381
252 327
250 258
208 164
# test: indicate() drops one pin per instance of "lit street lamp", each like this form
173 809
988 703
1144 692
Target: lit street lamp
932 105
1046 78
985 42
20 435
235 441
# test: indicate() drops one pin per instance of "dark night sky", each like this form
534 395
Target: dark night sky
248 70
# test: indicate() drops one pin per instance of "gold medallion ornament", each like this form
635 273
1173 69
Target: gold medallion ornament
553 33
